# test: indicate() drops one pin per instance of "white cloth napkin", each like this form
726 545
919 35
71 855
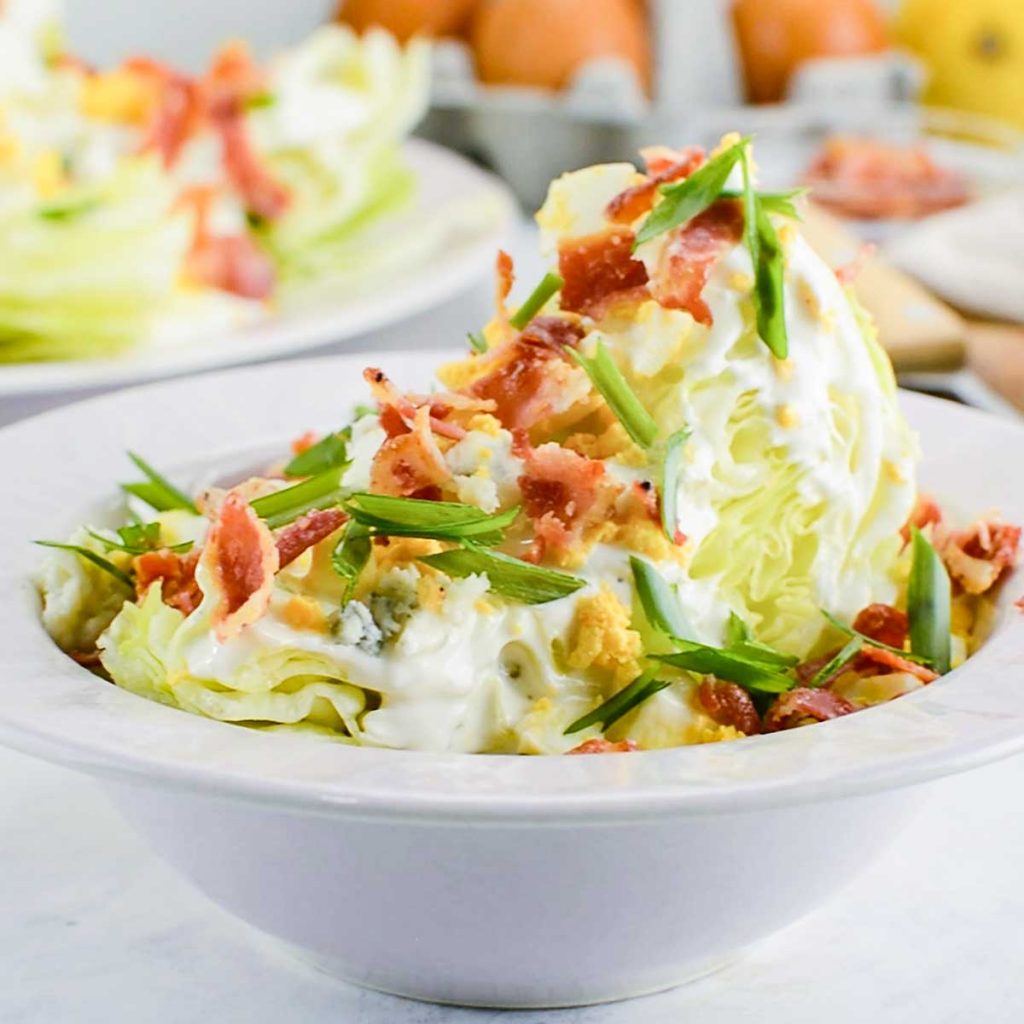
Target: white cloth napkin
972 257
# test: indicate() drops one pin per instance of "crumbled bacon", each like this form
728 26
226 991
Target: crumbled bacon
690 254
232 80
306 532
398 411
883 623
87 659
241 557
647 497
410 464
232 263
563 493
504 278
848 273
889 659
177 112
177 576
926 513
530 372
597 268
807 670
978 556
796 706
729 704
663 166
603 746
304 442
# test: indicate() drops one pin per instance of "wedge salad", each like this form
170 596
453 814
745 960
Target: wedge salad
669 498
140 205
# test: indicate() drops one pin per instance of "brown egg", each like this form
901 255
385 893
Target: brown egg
543 42
406 18
775 36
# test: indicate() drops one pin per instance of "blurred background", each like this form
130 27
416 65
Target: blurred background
906 116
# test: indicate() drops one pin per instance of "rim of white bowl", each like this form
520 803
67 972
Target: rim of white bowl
59 465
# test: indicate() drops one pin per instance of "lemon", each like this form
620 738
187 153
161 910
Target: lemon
974 52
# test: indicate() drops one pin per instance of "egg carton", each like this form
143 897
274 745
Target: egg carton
530 136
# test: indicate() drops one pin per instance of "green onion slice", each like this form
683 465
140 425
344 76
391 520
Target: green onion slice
671 470
735 668
736 630
351 554
659 600
477 342
921 659
683 201
628 409
508 576
622 703
68 209
158 492
782 203
549 284
849 651
285 506
415 517
329 452
928 604
138 538
90 556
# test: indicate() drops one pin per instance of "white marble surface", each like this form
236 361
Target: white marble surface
95 930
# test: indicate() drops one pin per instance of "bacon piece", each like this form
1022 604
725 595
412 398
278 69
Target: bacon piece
729 704
232 80
563 493
177 113
602 746
307 531
504 278
978 556
232 263
241 558
87 659
304 442
410 464
792 708
890 659
690 254
177 576
1019 604
849 272
405 407
807 670
531 371
926 513
663 166
598 267
883 623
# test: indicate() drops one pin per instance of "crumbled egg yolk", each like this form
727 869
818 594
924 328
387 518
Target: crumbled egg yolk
304 613
601 637
48 177
787 417
611 443
708 731
486 424
740 282
120 96
431 591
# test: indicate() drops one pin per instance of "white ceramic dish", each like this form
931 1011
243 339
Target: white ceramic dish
495 881
463 255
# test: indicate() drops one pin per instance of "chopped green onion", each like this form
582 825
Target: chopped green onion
351 554
659 600
849 651
157 491
850 631
508 576
621 704
477 341
138 538
628 409
671 469
260 100
684 201
329 452
736 630
284 506
534 303
781 203
769 268
415 517
361 410
90 556
753 650
928 604
735 668
68 209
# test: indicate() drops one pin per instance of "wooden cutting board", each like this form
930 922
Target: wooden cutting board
918 330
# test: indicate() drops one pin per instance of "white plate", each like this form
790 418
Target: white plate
465 255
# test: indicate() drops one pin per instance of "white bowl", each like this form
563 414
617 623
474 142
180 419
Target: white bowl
496 881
